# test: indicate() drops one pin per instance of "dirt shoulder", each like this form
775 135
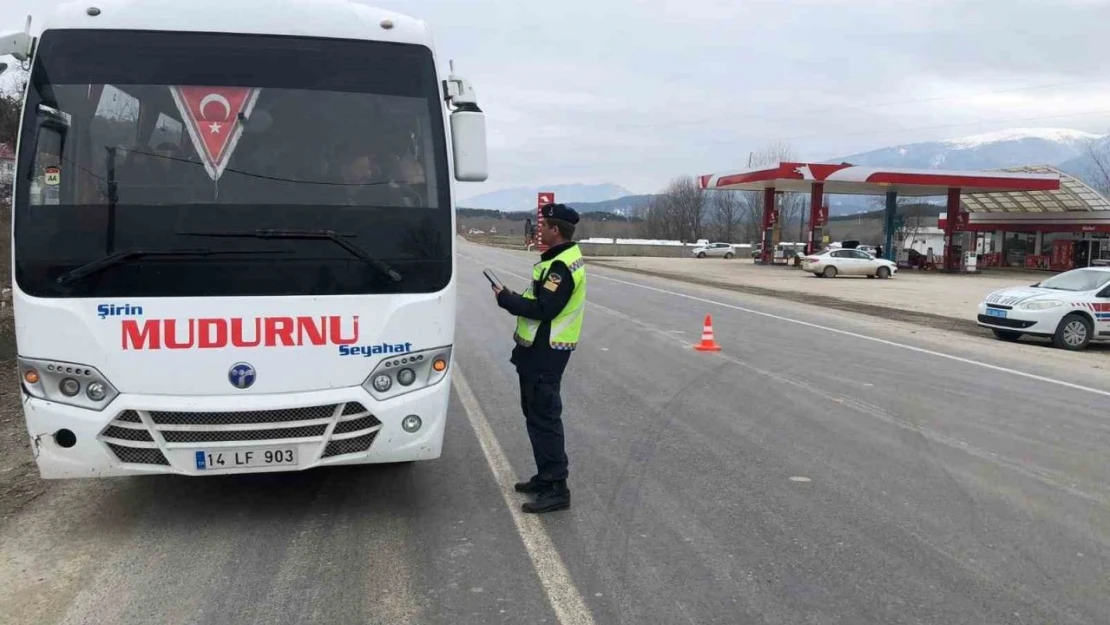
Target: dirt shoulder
19 478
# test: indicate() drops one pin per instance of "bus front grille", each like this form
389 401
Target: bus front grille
138 455
141 437
307 413
217 436
344 446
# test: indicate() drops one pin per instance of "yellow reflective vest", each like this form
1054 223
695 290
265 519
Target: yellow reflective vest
566 327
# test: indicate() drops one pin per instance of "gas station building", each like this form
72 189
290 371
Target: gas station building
1038 217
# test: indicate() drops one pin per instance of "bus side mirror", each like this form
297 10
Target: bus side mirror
468 141
468 130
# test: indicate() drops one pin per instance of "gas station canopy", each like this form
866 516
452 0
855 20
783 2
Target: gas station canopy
1073 196
856 180
1042 189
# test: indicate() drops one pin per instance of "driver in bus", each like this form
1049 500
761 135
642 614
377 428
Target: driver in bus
365 181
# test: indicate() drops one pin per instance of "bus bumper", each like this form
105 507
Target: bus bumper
146 435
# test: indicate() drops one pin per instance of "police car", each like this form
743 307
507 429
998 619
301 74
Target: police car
1072 308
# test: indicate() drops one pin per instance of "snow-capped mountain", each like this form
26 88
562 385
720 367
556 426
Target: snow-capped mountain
992 150
1083 166
524 198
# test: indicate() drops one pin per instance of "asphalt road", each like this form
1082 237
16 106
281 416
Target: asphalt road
824 468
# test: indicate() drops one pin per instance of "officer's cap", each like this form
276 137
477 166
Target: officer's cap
561 212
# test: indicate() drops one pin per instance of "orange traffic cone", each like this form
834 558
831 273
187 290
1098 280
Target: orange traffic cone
708 343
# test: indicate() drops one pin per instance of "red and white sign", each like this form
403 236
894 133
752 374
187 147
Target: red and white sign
822 215
961 224
543 198
214 117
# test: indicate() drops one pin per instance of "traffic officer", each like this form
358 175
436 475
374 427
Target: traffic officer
549 321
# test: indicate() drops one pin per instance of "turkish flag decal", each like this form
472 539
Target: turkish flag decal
214 117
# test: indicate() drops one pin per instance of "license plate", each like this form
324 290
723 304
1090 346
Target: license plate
994 312
247 458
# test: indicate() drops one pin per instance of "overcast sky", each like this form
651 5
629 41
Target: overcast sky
634 92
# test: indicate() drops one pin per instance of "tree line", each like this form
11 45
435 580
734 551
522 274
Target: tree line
11 103
685 212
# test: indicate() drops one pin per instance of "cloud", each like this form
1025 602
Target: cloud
635 92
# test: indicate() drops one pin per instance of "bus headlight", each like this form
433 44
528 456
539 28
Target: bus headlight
382 382
96 391
411 372
406 376
63 382
69 387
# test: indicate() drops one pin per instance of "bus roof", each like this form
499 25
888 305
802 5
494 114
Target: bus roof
337 19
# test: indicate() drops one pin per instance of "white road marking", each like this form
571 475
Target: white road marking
920 350
799 478
1020 466
561 592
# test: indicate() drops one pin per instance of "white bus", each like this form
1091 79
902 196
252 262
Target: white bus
233 236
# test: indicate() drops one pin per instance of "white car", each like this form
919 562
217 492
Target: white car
1072 308
833 263
714 250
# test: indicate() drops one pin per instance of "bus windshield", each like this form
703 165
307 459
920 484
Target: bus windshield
149 142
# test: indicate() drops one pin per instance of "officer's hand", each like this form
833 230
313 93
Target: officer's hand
496 290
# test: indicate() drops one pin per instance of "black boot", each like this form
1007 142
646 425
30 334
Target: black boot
555 497
531 487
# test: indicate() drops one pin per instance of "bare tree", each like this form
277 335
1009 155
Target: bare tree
1098 170
677 213
726 215
909 218
910 222
12 85
791 205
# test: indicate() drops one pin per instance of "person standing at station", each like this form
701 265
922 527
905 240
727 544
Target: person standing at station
549 322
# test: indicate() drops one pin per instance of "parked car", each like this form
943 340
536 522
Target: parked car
915 258
1072 308
714 250
848 262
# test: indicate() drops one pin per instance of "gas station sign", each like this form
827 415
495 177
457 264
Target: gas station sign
543 198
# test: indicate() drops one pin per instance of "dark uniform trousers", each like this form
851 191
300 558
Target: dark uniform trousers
542 406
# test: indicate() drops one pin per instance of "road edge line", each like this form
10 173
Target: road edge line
856 335
889 313
568 604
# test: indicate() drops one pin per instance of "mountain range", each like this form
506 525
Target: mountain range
992 150
1064 148
521 198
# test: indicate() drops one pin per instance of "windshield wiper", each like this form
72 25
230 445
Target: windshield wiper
130 254
323 235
